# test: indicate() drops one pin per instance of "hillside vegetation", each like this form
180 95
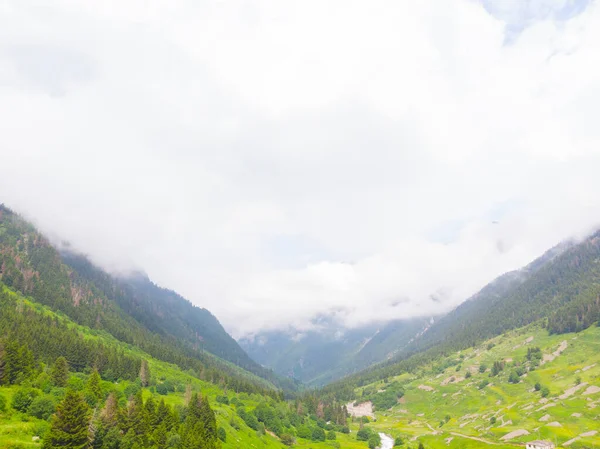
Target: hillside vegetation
517 387
133 310
118 396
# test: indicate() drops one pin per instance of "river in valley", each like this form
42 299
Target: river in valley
387 442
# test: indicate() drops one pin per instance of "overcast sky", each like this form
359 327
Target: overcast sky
274 161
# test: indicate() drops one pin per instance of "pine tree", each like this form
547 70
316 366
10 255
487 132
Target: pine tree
60 372
209 421
164 415
200 428
69 428
93 388
2 362
160 436
150 409
13 365
145 373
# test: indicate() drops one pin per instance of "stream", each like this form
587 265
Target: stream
387 442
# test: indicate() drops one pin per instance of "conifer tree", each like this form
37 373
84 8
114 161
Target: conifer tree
2 362
60 372
150 409
69 428
93 388
164 415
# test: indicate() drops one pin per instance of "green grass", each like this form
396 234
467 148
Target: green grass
515 406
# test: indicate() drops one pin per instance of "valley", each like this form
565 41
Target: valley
519 361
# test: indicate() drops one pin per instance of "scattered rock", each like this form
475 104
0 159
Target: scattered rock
572 390
592 389
551 404
420 414
36 438
559 351
363 409
576 415
425 388
514 434
588 367
591 433
529 340
554 424
449 440
545 418
452 379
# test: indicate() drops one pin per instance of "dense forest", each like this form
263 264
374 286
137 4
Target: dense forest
91 297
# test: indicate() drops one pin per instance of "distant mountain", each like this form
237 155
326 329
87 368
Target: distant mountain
321 356
561 289
132 309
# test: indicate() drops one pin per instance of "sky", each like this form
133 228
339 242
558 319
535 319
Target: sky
277 161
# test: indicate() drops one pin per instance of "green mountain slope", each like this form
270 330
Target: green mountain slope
132 310
524 385
562 287
137 400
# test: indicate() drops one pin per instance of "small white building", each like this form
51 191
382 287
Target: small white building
539 444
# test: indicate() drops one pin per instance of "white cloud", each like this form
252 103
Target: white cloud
274 161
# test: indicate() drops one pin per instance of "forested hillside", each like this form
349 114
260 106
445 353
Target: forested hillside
66 385
133 310
562 287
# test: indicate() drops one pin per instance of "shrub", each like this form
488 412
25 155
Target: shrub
468 374
318 434
398 441
23 398
223 399
2 403
363 434
484 383
304 432
331 435
545 392
42 407
537 386
222 434
493 420
513 378
482 368
374 441
287 439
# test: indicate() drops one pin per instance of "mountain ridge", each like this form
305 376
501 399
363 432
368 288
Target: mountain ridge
128 308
